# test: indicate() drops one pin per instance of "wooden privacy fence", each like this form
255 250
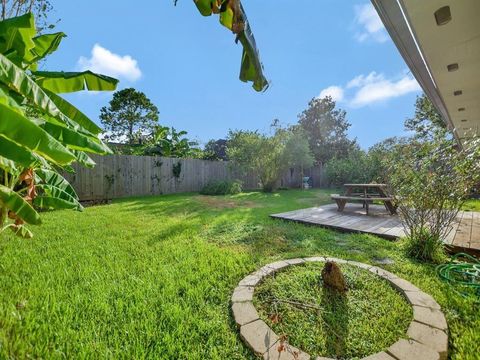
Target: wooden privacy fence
117 176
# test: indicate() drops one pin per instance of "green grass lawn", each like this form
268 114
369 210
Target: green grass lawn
472 205
152 277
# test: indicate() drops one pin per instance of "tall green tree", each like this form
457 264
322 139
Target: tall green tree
129 118
326 128
427 123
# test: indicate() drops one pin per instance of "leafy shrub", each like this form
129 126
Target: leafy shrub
425 246
430 181
226 187
268 156
352 169
360 166
250 151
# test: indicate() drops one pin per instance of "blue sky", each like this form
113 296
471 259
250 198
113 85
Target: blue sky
188 65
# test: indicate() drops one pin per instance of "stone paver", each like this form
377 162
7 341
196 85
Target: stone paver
278 265
379 356
244 312
431 317
421 299
427 332
295 261
338 261
403 285
429 336
289 353
314 259
410 350
265 271
250 280
384 261
383 273
258 336
242 293
360 265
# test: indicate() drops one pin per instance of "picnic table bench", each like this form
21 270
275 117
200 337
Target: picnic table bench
377 193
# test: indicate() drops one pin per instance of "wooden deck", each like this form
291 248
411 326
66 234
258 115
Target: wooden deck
464 236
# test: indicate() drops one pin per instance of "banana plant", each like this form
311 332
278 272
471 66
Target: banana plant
233 17
41 133
169 142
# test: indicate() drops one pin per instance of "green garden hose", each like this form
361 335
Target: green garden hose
464 275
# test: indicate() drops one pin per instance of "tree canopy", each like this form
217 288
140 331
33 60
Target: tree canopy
427 122
268 156
326 127
216 150
129 117
297 151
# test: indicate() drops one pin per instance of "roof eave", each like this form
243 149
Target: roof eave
397 25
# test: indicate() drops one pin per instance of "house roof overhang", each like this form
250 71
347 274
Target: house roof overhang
429 48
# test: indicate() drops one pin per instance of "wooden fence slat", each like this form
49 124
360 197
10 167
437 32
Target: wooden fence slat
117 176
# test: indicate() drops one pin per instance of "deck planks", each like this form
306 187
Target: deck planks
464 235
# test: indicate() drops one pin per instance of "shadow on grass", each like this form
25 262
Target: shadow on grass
335 318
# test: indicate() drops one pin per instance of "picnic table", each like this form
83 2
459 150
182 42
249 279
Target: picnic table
366 194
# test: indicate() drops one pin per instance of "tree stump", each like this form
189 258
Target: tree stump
333 278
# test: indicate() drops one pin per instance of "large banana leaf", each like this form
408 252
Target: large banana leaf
252 68
8 165
22 231
65 82
83 158
75 140
45 45
53 197
17 80
73 113
46 202
16 38
18 205
38 129
233 17
206 6
19 154
17 128
53 178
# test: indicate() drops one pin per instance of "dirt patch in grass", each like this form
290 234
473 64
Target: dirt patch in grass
219 202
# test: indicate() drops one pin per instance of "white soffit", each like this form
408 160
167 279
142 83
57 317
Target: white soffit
428 48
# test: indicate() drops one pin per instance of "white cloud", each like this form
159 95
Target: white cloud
376 88
362 80
372 88
372 28
105 62
336 92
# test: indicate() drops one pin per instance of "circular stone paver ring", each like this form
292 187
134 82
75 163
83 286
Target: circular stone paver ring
427 333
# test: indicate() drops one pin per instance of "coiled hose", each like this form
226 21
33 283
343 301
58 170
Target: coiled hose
464 275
